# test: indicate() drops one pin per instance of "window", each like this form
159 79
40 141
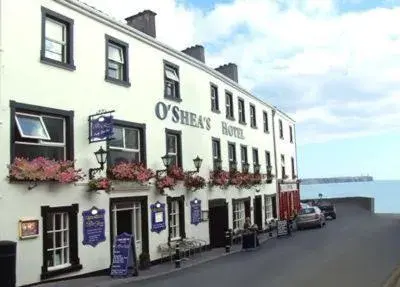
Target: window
216 150
214 98
243 154
267 158
174 147
117 62
128 143
242 114
60 240
293 169
229 106
291 134
176 218
40 131
171 82
253 120
280 129
239 214
57 40
255 156
265 117
283 165
268 208
232 156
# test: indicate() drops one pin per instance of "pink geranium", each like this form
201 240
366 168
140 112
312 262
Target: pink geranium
100 184
176 172
219 178
131 172
165 182
194 182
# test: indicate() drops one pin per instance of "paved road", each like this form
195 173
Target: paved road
355 250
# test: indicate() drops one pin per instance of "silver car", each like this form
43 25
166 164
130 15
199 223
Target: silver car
310 216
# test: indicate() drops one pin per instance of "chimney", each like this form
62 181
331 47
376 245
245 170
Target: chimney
196 52
144 22
230 70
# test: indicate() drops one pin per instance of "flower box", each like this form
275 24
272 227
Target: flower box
136 172
100 184
176 173
165 182
194 182
219 178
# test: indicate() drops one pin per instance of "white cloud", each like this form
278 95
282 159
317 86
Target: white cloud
338 73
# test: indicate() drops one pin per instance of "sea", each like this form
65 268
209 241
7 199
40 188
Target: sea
385 192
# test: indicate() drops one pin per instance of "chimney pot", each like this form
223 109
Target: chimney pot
144 21
229 70
196 52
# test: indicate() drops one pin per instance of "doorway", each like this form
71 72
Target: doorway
258 211
218 222
130 215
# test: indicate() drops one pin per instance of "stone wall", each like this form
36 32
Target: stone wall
367 203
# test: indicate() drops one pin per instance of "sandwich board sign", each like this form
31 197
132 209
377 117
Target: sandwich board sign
282 228
124 261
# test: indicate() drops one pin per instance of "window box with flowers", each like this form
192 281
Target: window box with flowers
240 179
41 169
194 182
102 183
164 182
219 178
130 172
176 173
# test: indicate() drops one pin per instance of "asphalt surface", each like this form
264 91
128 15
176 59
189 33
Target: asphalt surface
355 250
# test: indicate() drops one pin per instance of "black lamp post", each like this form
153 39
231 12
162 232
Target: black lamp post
269 169
217 164
197 164
167 161
245 167
256 168
101 157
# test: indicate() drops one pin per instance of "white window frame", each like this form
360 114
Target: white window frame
120 63
253 121
124 148
241 111
231 156
216 149
268 208
63 43
229 105
239 215
174 223
170 73
21 132
61 246
174 154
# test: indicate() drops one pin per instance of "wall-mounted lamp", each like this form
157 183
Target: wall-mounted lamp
245 167
197 164
167 161
232 166
217 164
256 168
101 157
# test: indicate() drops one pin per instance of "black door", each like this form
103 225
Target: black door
258 211
274 213
218 222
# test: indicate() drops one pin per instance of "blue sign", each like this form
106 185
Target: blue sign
158 217
100 127
195 211
93 226
124 255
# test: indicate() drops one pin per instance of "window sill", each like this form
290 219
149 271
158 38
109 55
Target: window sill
266 132
216 111
46 274
117 82
51 62
243 123
178 100
254 127
230 118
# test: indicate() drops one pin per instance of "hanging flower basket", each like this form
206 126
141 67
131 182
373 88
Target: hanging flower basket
219 178
100 184
240 179
41 169
176 173
165 182
194 182
136 172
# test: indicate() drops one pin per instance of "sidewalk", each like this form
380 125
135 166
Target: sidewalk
154 271
394 278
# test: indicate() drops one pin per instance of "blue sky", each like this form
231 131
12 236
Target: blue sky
333 65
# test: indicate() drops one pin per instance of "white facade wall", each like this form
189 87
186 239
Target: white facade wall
25 79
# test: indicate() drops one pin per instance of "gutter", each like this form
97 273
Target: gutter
101 17
276 165
1 55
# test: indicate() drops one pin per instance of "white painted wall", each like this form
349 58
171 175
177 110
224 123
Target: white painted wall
24 79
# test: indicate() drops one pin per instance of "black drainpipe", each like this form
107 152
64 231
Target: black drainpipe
276 163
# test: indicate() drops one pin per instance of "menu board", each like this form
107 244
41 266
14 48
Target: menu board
195 211
93 226
158 217
282 228
124 256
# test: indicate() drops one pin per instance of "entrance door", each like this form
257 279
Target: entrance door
218 222
258 211
127 217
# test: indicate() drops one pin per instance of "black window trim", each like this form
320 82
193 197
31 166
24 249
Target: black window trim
291 133
230 117
241 100
247 155
268 162
69 65
125 49
178 134
69 125
265 119
217 140
214 86
177 85
182 222
258 155
72 211
255 116
235 161
281 135
142 133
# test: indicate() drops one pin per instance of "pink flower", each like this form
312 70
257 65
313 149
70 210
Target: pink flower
131 172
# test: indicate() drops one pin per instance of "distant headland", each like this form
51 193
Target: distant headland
336 179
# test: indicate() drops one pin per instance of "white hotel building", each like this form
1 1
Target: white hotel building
62 61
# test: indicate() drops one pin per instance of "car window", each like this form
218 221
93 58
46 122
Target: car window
307 210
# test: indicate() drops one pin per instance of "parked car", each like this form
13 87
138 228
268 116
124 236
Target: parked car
310 216
328 209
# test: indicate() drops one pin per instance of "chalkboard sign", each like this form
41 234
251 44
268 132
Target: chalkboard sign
158 217
195 211
282 228
93 226
124 256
